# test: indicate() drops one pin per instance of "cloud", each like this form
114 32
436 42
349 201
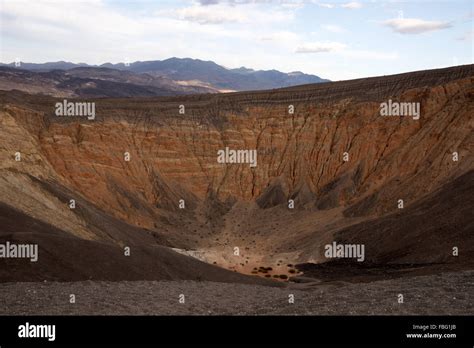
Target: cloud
468 36
293 5
333 28
352 5
369 55
283 3
325 5
414 25
320 47
226 12
339 49
343 50
208 2
280 36
215 15
79 31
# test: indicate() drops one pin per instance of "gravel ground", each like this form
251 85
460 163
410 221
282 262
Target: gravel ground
443 294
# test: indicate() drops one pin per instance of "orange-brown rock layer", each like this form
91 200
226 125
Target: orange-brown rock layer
173 156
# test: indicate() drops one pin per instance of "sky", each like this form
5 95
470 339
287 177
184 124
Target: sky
337 40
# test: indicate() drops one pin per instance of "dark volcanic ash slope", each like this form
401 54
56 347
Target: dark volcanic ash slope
300 157
425 232
62 256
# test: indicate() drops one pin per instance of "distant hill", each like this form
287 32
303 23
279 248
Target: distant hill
194 72
92 82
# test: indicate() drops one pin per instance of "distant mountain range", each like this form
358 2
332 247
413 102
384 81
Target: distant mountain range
166 77
89 82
